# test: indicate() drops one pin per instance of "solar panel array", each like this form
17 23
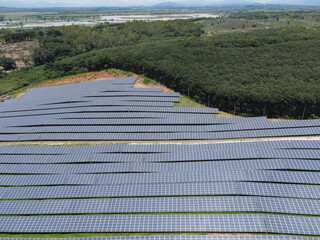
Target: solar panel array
268 187
113 110
264 189
186 237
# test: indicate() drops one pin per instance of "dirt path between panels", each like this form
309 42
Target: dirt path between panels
177 142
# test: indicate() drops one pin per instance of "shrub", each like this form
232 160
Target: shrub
7 63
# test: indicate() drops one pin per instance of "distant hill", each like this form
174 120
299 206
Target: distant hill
188 3
168 5
31 6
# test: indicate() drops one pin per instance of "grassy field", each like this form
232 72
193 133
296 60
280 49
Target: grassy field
187 102
246 23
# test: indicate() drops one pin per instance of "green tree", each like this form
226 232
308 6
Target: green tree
7 63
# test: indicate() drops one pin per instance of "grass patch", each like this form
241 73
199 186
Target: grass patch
91 235
187 102
226 115
147 81
163 213
19 80
119 72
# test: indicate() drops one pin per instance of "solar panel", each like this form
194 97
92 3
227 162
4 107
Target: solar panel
192 237
130 205
134 223
280 190
178 189
288 206
293 225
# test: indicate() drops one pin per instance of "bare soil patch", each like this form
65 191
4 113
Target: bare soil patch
139 84
226 115
20 52
279 119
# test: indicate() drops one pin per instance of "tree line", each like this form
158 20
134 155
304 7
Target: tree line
273 72
73 40
268 72
13 37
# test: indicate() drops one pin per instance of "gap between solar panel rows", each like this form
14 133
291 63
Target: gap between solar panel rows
163 206
188 237
162 148
258 176
174 157
241 223
159 136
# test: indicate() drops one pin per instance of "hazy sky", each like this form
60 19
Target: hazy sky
144 2
151 2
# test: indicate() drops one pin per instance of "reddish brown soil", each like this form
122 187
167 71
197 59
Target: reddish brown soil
139 84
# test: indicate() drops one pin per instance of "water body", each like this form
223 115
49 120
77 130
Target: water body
156 17
103 19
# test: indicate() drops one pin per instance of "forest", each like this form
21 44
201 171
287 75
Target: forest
272 71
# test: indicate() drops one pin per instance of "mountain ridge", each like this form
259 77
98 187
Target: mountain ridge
163 5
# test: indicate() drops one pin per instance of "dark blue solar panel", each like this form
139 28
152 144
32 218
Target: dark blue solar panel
279 190
293 225
288 206
191 237
135 223
130 205
179 189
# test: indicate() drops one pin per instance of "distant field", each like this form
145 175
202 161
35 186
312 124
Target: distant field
47 19
19 15
250 22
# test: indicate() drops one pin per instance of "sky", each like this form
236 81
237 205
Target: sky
111 3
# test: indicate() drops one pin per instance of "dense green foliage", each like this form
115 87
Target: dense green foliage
273 72
21 78
74 40
270 72
7 63
19 36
